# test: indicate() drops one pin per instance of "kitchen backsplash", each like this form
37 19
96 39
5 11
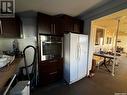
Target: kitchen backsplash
6 44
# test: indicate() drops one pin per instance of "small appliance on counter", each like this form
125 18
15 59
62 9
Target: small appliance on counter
15 50
16 47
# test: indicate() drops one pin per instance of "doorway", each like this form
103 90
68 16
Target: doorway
109 37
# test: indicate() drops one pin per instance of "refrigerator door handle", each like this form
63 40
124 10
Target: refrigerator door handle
79 51
76 53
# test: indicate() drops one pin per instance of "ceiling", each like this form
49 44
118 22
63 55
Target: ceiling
111 21
54 7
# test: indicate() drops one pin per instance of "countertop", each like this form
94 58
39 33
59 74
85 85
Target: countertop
8 71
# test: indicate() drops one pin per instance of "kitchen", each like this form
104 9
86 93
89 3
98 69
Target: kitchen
58 57
47 37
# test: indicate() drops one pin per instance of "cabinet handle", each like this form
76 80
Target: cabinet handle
54 28
51 28
52 73
52 61
1 32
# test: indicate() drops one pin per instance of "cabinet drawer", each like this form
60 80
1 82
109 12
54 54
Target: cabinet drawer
46 78
50 71
50 66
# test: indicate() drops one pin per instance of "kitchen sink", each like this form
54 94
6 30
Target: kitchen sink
5 59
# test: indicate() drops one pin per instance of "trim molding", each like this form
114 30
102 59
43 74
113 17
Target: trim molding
106 9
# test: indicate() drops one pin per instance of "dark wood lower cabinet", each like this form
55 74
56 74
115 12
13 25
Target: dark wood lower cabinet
50 71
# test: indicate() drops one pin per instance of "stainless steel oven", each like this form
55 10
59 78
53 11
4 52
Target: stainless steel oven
51 47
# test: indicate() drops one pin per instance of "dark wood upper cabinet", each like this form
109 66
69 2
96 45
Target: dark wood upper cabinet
67 23
44 23
10 27
58 28
59 24
78 26
49 24
71 24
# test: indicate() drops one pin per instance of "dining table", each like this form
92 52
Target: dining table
105 56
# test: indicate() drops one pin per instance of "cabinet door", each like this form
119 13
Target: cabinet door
78 26
72 24
10 27
43 68
68 26
60 68
44 24
58 26
50 71
67 23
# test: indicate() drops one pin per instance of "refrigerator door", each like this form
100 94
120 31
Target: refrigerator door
82 56
73 57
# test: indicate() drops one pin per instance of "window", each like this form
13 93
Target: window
109 40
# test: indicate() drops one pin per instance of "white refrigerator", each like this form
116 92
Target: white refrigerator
75 57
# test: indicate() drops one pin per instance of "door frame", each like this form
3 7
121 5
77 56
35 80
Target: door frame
89 16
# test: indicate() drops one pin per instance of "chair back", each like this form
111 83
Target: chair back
30 68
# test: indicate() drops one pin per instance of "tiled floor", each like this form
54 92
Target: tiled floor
103 83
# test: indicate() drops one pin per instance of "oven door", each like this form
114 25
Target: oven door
51 47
